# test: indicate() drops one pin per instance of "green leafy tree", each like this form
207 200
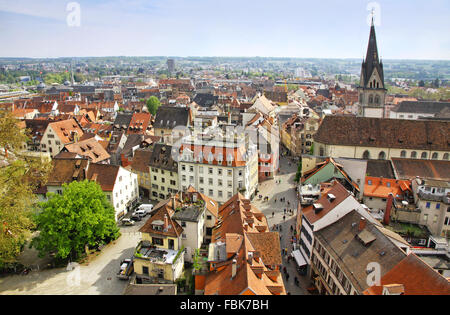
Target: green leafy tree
153 104
20 175
80 217
298 175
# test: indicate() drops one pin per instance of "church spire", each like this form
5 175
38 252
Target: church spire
372 60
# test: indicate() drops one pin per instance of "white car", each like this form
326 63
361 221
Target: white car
140 212
127 222
146 207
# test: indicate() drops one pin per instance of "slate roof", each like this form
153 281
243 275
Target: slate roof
342 242
372 60
422 107
122 120
162 158
169 117
205 99
384 133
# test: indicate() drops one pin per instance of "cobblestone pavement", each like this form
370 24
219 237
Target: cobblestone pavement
282 186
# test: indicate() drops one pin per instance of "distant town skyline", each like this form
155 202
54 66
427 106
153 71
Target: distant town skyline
406 29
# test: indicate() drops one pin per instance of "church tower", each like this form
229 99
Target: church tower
372 92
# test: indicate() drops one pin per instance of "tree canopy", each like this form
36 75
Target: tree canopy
20 175
81 216
153 104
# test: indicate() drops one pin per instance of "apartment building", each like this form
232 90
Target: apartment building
163 172
432 198
218 166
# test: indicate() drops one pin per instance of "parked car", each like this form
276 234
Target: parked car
126 269
141 213
136 217
127 222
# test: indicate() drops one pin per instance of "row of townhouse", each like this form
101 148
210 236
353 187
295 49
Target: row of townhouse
218 168
119 185
345 251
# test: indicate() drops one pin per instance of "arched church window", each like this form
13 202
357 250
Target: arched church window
382 156
370 99
377 99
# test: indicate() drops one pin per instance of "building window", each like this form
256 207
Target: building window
382 155
403 154
366 155
424 155
438 206
157 241
428 205
413 154
435 156
446 155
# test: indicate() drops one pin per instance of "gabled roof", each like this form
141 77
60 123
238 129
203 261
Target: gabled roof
384 133
338 191
170 117
427 169
89 148
162 158
173 229
103 174
66 170
64 130
243 230
354 249
416 276
141 160
422 107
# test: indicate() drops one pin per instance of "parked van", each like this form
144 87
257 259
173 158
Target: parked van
146 207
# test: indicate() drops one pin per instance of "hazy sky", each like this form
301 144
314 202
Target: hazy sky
408 29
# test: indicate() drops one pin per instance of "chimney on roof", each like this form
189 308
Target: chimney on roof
233 268
362 224
387 211
166 221
331 197
250 258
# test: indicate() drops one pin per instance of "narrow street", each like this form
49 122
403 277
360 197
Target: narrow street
282 186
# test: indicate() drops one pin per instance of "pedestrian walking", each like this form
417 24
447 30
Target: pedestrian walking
284 210
273 213
287 276
284 218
